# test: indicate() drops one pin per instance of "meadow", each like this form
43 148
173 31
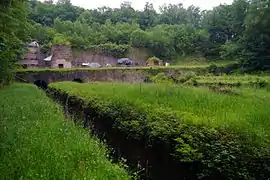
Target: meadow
202 126
38 143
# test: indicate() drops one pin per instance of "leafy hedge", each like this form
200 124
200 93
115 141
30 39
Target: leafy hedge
188 150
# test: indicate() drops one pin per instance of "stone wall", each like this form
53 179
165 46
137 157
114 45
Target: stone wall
61 56
132 75
65 57
31 58
139 55
80 57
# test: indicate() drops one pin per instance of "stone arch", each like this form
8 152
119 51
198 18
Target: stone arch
78 80
41 84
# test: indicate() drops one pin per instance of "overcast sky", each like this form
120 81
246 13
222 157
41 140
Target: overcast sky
139 4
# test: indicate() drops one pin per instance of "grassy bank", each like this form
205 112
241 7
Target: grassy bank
249 114
241 80
228 136
37 143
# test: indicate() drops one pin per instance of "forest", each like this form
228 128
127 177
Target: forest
239 31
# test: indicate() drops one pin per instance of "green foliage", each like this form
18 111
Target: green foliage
192 121
256 37
161 78
38 143
238 31
153 60
111 49
247 80
13 33
60 39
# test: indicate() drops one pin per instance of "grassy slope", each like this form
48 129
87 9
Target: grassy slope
189 61
243 79
36 143
245 113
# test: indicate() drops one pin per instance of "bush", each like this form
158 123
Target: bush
260 83
153 61
161 78
184 77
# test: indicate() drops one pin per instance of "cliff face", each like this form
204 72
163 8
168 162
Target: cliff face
80 57
138 56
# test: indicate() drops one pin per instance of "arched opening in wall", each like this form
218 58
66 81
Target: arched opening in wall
78 80
41 84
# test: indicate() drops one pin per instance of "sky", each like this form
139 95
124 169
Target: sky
139 4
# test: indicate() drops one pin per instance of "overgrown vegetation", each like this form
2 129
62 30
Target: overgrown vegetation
14 31
217 135
250 80
37 142
238 32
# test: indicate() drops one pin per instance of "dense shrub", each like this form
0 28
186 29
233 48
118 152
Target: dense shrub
153 61
161 78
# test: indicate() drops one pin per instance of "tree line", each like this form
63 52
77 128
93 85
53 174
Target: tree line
239 31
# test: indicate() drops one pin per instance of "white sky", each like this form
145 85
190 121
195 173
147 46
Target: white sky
139 4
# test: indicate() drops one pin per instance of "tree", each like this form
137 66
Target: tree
256 37
173 14
13 33
236 31
147 17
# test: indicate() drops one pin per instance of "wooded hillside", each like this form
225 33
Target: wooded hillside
240 31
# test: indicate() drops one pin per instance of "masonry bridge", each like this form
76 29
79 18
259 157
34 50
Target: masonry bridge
43 77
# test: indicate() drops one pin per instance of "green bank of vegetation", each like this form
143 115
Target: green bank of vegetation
251 80
226 135
37 142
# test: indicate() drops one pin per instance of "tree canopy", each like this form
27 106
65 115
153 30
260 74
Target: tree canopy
14 31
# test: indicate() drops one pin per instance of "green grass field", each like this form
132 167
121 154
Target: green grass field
226 79
245 112
37 143
212 128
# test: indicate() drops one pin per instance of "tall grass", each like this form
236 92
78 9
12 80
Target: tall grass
243 79
37 143
246 114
